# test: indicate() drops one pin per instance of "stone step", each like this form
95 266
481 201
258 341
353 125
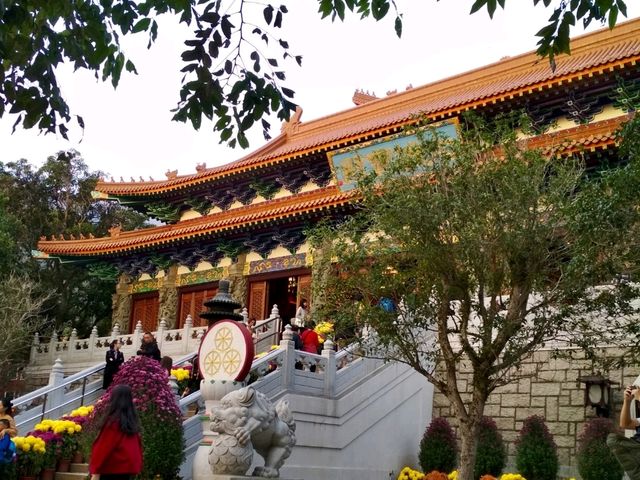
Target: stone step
79 468
71 476
77 471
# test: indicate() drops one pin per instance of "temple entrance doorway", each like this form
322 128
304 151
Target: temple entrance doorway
282 292
284 289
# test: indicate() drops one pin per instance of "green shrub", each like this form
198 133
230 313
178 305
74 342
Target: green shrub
536 452
438 447
491 455
595 460
160 417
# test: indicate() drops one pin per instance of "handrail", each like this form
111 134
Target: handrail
68 381
79 376
43 413
186 358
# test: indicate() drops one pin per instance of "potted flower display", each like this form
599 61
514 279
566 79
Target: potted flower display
53 442
30 455
324 330
182 376
79 416
68 431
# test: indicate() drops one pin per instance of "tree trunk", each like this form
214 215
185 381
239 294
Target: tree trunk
468 431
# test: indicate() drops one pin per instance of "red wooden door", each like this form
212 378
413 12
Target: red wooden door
144 309
192 303
257 300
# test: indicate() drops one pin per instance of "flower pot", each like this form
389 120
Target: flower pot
77 457
48 474
63 465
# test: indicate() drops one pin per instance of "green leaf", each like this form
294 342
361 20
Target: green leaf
398 26
242 140
339 8
613 17
268 14
130 67
379 8
477 6
325 8
141 26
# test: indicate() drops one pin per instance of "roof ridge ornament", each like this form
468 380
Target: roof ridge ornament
115 231
291 127
171 174
360 96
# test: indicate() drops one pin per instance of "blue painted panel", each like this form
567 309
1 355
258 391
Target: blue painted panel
348 161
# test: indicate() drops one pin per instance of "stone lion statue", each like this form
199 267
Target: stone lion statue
251 417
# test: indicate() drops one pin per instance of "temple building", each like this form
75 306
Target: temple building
248 220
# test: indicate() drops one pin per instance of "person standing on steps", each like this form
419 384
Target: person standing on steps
6 413
149 347
116 453
114 359
301 313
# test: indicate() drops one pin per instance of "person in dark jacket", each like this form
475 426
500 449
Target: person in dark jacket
117 451
114 359
297 341
149 347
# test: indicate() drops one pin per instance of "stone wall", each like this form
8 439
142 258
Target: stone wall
552 391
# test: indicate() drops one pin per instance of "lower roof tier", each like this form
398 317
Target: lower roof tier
219 224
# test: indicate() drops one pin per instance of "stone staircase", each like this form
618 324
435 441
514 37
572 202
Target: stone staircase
77 471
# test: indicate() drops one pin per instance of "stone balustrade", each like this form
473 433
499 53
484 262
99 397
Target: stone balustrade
174 343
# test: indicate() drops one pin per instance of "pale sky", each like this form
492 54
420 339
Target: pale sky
129 131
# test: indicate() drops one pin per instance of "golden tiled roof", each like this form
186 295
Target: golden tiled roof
594 53
282 208
588 137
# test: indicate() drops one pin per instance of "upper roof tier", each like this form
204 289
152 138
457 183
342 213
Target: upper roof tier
604 50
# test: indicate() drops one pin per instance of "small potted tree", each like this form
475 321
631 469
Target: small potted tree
536 451
438 449
595 460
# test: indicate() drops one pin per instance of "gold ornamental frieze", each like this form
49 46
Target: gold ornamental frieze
203 276
146 285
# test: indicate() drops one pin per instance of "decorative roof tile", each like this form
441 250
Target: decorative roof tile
591 54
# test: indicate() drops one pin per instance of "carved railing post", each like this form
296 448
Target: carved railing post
73 339
53 342
93 340
330 371
186 333
55 398
245 315
289 360
136 337
116 331
162 327
34 347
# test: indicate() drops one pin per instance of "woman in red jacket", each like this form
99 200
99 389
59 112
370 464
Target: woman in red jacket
117 452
